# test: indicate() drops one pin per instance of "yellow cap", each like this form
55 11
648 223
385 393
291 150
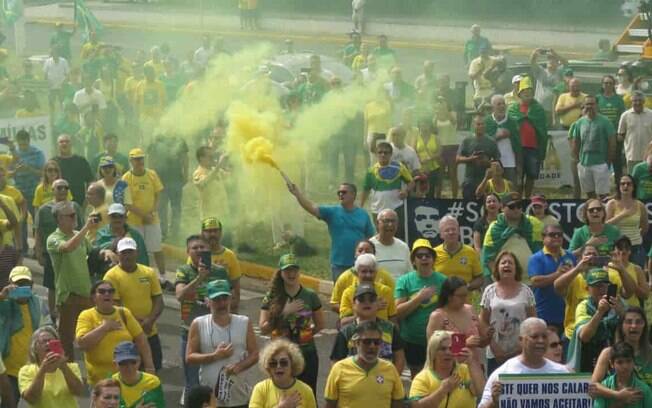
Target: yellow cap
20 273
422 243
525 83
136 153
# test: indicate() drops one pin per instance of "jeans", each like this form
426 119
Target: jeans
170 195
190 372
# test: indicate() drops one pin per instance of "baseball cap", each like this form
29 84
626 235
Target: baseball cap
136 153
125 351
116 208
516 78
597 275
538 199
211 223
509 198
20 273
106 161
127 243
568 72
288 261
421 243
363 289
525 83
217 288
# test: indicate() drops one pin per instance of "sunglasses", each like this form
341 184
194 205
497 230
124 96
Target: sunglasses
366 298
127 362
595 210
106 291
423 255
555 234
283 363
369 342
555 344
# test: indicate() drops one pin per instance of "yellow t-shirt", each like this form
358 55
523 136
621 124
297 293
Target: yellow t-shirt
99 359
44 194
3 369
55 389
6 160
131 85
229 260
150 98
130 394
465 263
631 271
159 69
427 152
15 194
353 387
19 344
349 278
89 49
143 190
577 292
572 115
378 117
266 395
382 291
427 382
8 235
135 290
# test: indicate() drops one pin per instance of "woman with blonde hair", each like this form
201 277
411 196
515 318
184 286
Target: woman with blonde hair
106 394
283 362
447 379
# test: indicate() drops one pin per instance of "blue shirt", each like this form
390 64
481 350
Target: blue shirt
346 228
26 181
550 306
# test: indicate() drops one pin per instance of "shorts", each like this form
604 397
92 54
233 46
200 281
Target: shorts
595 179
152 235
448 155
415 355
531 163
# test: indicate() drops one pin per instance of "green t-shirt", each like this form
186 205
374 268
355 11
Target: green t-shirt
194 306
45 223
611 107
71 274
413 327
593 138
583 234
642 174
297 327
610 382
147 391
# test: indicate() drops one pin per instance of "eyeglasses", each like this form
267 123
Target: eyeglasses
555 344
366 298
283 363
555 234
369 342
127 362
595 210
102 291
423 255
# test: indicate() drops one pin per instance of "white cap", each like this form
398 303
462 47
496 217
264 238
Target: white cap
117 208
516 78
127 243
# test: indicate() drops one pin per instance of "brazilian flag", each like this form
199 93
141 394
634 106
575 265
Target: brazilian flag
86 20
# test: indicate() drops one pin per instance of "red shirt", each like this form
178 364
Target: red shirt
528 134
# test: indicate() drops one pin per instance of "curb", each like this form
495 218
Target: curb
257 271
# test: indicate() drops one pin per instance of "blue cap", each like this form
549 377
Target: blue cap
125 351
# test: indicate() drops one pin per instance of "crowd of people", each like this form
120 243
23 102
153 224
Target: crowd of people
455 316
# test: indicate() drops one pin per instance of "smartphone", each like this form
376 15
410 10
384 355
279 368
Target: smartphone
601 260
458 342
612 290
21 292
97 218
54 346
206 258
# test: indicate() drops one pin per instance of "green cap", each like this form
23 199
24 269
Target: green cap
597 275
288 261
218 288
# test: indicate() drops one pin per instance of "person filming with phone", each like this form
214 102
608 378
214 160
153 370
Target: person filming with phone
49 380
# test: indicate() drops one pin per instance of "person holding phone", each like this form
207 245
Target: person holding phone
448 379
20 315
49 380
191 292
137 389
596 320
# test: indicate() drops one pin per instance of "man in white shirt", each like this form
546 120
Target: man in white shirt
635 129
204 53
533 337
55 71
392 254
88 96
503 129
402 152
